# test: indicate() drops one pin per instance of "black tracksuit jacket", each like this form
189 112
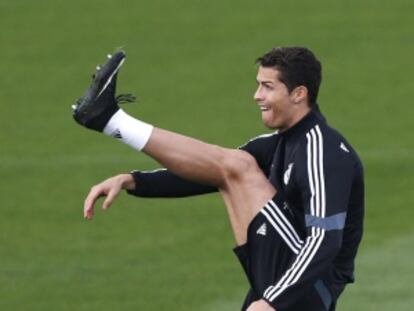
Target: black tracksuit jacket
319 178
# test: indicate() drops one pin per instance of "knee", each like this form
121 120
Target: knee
239 164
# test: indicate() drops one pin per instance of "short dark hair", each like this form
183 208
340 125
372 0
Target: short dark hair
297 66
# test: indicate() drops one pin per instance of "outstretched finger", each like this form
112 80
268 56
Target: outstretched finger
90 201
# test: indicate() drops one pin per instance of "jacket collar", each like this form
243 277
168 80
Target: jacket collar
307 122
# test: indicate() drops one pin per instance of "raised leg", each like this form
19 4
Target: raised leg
242 184
244 187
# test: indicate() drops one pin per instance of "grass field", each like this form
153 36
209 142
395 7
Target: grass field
191 65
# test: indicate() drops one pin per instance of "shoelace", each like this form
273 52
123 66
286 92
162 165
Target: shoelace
125 98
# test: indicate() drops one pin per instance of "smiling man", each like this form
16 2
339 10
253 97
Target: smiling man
295 198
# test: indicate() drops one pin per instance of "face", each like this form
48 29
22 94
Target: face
280 109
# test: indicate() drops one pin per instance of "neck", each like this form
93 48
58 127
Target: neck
298 115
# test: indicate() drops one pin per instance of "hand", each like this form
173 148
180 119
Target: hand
260 305
110 188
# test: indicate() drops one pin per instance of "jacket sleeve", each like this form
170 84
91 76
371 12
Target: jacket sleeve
323 174
162 183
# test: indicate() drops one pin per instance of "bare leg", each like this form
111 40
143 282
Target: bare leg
244 187
244 198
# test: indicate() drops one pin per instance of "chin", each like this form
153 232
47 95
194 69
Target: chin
270 124
270 121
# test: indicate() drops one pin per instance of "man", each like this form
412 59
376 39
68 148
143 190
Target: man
295 198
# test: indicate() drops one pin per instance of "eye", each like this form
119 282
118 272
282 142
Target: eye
268 86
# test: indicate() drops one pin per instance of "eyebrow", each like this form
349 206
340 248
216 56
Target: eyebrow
264 82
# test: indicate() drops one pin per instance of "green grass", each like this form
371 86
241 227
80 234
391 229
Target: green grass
191 65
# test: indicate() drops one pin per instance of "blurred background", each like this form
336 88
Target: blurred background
191 64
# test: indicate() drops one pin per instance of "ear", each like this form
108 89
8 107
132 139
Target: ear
299 94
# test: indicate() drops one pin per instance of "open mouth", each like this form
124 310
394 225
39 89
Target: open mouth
264 108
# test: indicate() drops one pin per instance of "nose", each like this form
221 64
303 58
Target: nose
258 95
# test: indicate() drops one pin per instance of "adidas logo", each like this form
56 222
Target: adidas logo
262 229
117 134
343 147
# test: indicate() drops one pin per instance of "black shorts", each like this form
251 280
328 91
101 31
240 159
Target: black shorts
271 247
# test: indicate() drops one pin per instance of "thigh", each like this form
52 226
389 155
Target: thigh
244 198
